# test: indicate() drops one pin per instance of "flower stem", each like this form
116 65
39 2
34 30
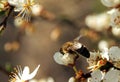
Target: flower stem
75 69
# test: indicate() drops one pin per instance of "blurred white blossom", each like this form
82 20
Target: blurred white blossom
19 22
110 3
23 76
103 44
37 9
116 32
114 17
3 4
98 22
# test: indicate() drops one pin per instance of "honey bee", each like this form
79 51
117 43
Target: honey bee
75 47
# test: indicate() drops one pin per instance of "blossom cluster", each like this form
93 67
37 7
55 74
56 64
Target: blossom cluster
107 19
105 66
25 8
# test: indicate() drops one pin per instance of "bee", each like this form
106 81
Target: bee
75 47
70 51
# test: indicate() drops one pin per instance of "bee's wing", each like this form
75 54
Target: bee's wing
58 58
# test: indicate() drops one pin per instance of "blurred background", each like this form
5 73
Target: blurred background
37 44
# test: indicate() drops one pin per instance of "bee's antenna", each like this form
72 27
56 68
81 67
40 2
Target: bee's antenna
78 38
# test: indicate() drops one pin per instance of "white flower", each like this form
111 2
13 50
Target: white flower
24 7
64 59
98 22
111 76
23 76
98 59
116 31
115 17
110 3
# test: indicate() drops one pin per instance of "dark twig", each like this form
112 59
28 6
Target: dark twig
4 22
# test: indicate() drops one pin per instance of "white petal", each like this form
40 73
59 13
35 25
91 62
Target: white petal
58 58
105 53
96 76
114 53
25 73
30 76
112 76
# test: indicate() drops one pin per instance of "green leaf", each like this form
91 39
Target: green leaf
8 67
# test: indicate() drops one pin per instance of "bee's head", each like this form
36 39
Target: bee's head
66 48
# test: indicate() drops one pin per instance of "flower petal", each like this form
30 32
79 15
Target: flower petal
96 76
58 58
114 53
30 76
112 76
25 73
